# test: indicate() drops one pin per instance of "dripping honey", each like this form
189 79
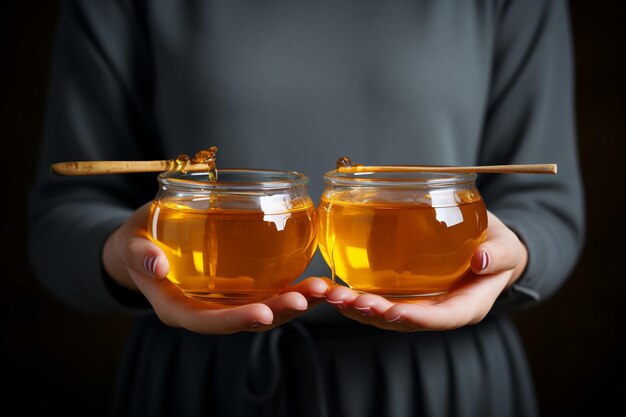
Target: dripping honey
233 256
400 249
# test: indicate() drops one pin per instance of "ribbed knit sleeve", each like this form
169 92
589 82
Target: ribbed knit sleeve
95 111
531 119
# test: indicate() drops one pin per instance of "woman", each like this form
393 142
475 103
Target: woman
293 85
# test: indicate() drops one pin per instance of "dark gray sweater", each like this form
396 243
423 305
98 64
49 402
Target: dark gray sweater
294 85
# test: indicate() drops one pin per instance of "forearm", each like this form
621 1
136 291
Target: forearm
554 246
531 120
66 243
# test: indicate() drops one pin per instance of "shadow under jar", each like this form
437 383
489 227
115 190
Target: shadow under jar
400 234
236 241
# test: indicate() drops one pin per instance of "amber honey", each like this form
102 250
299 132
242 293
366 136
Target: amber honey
399 246
238 240
233 256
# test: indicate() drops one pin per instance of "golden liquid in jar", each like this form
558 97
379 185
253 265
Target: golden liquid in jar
233 257
400 249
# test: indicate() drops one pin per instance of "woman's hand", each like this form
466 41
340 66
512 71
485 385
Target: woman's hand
496 264
135 262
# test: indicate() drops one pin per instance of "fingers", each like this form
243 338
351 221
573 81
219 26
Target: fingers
250 317
366 305
313 289
177 310
468 303
367 309
341 297
286 307
417 315
291 301
297 299
426 315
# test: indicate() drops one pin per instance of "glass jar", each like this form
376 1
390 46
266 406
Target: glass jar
400 234
239 240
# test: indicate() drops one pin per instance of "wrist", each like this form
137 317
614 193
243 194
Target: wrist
519 269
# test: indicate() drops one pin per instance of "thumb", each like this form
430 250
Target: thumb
494 256
501 251
145 258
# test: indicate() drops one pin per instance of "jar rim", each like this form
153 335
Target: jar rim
235 179
398 178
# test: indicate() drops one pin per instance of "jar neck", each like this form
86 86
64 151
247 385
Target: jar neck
235 180
394 193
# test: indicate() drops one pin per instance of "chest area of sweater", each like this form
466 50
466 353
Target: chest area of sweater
321 73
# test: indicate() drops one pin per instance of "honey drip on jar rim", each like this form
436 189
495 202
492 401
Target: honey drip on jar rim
207 157
181 163
204 156
343 161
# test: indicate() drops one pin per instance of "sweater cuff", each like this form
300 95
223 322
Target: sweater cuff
525 292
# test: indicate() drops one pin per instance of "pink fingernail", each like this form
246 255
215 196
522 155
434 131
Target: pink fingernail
150 264
365 311
340 305
258 323
397 319
485 263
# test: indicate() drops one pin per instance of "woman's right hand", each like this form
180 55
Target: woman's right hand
135 262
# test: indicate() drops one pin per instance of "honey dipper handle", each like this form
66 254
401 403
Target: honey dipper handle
494 169
117 167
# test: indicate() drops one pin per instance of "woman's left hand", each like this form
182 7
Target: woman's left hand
496 264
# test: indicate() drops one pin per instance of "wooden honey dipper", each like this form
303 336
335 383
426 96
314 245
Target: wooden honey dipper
344 164
204 160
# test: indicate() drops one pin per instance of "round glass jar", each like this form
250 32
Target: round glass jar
400 234
236 241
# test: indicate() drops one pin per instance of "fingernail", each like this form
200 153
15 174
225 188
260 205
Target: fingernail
258 323
485 263
365 311
340 305
397 319
149 264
